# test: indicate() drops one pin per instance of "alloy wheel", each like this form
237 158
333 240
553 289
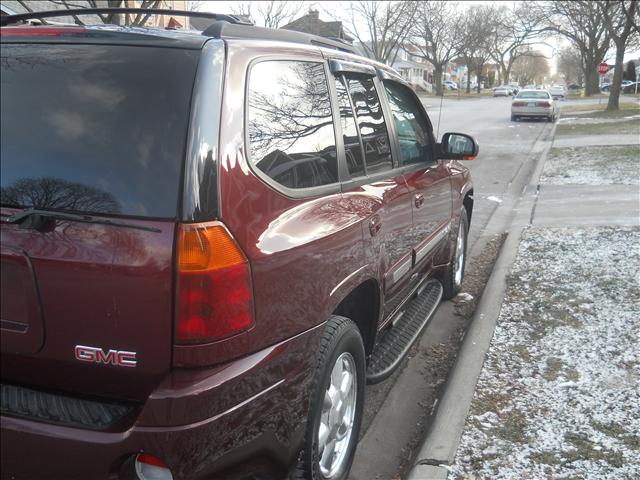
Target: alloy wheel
338 416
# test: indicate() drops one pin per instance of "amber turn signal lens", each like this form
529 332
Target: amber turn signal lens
202 247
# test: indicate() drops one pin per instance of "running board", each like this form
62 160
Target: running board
396 341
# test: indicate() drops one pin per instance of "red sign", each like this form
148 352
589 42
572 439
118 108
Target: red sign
603 68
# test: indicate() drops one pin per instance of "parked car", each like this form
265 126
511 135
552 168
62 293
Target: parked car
557 91
632 87
534 103
450 85
502 91
210 243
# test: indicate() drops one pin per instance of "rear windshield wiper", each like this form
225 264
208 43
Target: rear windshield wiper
36 216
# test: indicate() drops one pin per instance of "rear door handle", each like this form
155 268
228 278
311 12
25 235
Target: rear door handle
375 224
418 199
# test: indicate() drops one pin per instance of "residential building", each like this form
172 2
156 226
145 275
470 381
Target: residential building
311 23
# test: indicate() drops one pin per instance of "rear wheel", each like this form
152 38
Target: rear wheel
337 398
452 281
514 118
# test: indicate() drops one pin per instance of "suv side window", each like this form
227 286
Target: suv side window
373 129
412 128
291 136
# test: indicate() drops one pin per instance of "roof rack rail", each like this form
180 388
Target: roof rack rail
11 19
222 29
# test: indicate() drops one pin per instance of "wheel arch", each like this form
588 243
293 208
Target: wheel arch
362 305
467 203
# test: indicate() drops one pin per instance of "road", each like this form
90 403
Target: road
504 146
397 410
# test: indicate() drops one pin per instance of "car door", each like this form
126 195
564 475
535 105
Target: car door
375 188
428 179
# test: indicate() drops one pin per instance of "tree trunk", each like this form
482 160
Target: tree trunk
437 74
592 78
507 75
614 95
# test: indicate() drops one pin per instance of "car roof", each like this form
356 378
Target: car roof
226 27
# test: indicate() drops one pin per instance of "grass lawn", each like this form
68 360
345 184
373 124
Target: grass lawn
593 109
558 396
615 165
619 128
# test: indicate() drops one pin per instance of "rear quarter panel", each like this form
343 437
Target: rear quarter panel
305 253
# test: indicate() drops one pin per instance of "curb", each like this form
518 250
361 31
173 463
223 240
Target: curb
441 442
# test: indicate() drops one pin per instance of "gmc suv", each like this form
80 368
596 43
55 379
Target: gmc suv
210 243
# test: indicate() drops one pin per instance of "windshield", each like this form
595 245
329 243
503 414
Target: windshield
536 95
94 128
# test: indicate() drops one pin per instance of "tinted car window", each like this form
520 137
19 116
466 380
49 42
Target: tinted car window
352 148
94 128
291 132
411 127
535 95
373 129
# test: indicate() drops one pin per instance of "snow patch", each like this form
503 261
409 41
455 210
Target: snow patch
559 393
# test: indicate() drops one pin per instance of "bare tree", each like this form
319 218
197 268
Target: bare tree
137 19
516 30
480 29
619 18
533 67
271 14
582 23
437 35
387 26
570 65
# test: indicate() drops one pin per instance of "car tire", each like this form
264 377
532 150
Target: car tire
340 357
454 276
514 118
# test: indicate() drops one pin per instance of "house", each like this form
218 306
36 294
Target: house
414 68
311 23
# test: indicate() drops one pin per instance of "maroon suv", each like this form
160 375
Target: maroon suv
210 243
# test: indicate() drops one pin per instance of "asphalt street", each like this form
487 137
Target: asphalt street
395 409
504 146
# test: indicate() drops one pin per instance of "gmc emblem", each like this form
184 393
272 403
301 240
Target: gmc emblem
119 358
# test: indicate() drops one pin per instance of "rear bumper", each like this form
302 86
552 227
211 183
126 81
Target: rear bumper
532 111
244 417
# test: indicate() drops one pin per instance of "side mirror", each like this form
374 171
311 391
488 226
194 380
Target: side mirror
458 146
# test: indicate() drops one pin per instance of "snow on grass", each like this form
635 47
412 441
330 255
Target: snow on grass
559 394
593 166
591 120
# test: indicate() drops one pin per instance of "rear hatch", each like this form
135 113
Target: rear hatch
93 136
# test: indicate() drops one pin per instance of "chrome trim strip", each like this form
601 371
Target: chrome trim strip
431 244
401 271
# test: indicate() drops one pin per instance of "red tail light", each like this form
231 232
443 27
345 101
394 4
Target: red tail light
518 104
39 31
543 104
148 467
214 297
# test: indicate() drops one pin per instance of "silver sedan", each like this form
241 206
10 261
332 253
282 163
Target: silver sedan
534 103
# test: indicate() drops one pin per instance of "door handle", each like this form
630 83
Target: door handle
418 199
375 225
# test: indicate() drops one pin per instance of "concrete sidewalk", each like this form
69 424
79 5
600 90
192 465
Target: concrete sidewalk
539 206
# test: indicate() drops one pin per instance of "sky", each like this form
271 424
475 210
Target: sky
338 9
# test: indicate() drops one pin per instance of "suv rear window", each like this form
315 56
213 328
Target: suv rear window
94 128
